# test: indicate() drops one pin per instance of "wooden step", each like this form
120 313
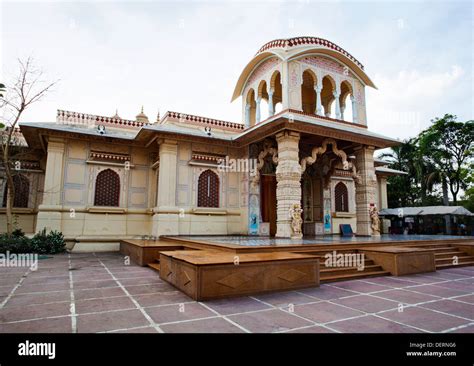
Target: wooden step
155 266
450 260
352 276
367 263
451 265
341 270
451 255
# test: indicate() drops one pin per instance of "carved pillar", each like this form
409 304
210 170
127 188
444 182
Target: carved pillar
257 114
354 109
288 176
166 215
247 115
319 106
49 215
336 95
271 109
365 190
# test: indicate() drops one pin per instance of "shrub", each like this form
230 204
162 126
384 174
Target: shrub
51 243
41 243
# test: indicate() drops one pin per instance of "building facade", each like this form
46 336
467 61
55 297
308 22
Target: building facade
303 139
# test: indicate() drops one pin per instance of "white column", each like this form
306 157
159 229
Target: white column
247 115
342 111
319 107
365 189
354 109
336 95
257 113
271 110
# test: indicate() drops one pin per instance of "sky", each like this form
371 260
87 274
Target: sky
186 56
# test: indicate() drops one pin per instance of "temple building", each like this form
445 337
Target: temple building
303 143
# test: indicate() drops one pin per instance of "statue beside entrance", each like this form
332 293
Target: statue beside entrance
296 221
374 221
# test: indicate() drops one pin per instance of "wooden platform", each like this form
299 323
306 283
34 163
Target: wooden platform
205 270
400 260
205 275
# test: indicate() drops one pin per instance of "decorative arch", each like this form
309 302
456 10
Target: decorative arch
308 93
208 189
250 108
21 186
346 92
327 93
107 189
341 197
277 96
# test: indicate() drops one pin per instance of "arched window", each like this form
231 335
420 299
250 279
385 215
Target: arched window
341 197
208 189
308 94
107 189
22 191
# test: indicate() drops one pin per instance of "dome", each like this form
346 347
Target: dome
142 117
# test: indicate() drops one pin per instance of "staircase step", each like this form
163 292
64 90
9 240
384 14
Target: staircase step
351 276
337 270
155 266
451 265
451 255
450 260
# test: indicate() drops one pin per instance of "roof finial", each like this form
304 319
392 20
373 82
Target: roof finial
142 117
158 116
116 116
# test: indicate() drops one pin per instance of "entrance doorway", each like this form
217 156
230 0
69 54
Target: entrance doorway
268 201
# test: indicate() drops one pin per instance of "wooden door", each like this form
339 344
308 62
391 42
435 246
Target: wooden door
268 201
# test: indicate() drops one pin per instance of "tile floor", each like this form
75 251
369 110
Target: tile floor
87 293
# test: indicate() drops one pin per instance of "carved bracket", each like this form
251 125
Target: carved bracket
268 149
321 150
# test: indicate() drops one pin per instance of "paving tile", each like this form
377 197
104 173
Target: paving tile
113 320
283 299
312 329
236 305
436 290
178 312
393 282
326 292
56 325
59 286
367 303
149 289
213 325
104 304
98 293
371 324
424 319
360 286
324 312
164 298
38 298
140 281
137 330
16 313
406 297
458 285
467 298
452 307
82 285
268 321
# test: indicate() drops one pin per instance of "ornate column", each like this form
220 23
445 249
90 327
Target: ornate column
271 110
319 107
49 215
288 176
247 115
365 189
257 113
354 109
166 214
336 95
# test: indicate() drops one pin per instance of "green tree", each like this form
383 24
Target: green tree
448 147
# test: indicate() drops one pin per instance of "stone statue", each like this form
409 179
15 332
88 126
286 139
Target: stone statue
296 221
375 221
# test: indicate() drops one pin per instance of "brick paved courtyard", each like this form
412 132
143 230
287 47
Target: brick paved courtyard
87 293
